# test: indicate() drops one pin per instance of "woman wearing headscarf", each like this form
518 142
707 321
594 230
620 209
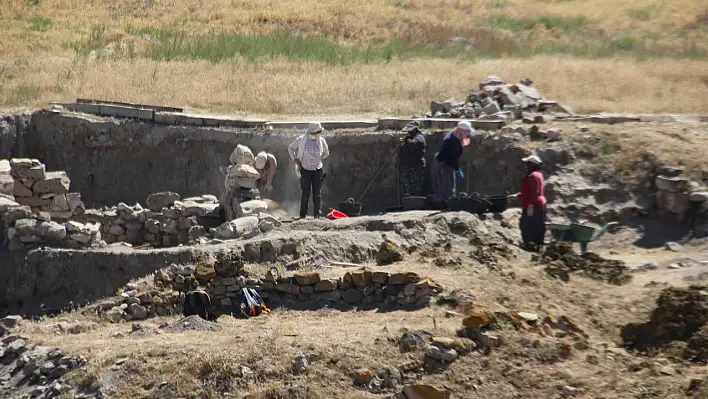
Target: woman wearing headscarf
265 164
533 204
412 160
308 151
446 165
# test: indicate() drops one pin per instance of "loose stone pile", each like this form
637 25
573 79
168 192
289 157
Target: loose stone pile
35 371
138 301
496 100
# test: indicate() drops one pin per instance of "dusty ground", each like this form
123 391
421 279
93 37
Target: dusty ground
149 364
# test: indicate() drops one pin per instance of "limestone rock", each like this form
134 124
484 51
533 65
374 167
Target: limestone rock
13 213
253 207
361 278
11 321
425 391
477 319
699 196
204 272
449 343
267 222
245 227
21 190
491 80
287 288
441 354
7 203
155 202
326 285
137 311
671 184
352 295
388 253
54 183
363 376
403 278
307 278
414 340
300 364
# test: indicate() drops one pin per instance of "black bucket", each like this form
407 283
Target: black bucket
350 207
477 205
435 204
413 203
460 202
499 203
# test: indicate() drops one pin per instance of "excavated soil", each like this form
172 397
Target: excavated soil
680 315
562 261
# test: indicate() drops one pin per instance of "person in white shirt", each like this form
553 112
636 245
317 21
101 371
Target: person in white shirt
308 151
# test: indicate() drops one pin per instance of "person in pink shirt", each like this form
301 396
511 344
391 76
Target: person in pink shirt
533 204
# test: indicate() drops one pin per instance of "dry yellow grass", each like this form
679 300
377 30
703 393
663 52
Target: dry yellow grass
351 20
396 88
38 64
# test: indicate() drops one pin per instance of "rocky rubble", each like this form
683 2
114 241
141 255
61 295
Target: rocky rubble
496 100
33 371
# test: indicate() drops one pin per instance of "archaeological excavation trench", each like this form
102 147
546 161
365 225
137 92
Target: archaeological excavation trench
61 255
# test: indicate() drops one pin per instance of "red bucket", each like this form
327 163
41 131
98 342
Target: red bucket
335 214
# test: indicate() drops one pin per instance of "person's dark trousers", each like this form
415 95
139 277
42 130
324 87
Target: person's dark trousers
310 180
533 228
412 179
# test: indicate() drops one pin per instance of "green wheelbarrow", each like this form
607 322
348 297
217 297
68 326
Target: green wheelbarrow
576 232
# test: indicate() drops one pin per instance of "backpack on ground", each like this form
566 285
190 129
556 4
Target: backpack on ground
250 303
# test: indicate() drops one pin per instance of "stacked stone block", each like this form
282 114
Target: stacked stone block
7 183
44 191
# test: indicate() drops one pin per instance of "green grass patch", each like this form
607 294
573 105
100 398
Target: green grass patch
608 145
97 39
39 24
172 44
175 43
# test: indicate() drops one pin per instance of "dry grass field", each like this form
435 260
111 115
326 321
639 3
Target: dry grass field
355 58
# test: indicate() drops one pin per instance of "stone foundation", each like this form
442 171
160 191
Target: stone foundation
224 280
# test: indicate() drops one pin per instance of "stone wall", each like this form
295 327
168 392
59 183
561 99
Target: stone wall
224 280
113 161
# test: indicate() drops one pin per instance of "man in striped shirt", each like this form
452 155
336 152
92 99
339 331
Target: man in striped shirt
308 151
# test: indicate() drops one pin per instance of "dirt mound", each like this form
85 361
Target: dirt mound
561 260
192 323
680 315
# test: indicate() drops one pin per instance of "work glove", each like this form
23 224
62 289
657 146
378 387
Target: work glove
460 174
529 211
